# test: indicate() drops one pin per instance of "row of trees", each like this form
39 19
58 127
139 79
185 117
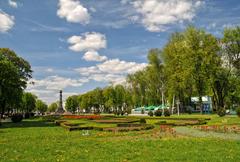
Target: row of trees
110 99
192 63
28 104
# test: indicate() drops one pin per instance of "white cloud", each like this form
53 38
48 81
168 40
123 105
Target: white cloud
6 22
93 56
87 41
117 66
12 3
157 14
50 70
73 11
56 83
114 71
48 88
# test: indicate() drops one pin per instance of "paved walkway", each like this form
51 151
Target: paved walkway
197 133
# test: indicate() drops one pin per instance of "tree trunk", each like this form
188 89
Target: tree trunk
200 104
3 108
173 103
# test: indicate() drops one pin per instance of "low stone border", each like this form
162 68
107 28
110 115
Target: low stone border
132 128
116 121
121 127
194 122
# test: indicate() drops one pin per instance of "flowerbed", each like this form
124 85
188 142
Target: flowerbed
167 129
132 128
92 117
114 121
182 122
219 128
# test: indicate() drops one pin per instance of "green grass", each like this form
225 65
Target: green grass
34 140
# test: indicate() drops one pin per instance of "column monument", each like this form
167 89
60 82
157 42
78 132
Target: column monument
60 109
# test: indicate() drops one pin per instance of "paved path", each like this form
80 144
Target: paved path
197 133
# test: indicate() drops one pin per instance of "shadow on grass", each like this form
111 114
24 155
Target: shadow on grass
27 124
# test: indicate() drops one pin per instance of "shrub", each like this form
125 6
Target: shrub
142 121
158 112
221 112
16 118
150 113
162 122
238 111
51 118
166 112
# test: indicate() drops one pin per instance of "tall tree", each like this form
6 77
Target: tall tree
52 107
71 104
231 46
41 106
28 102
10 90
109 98
202 59
15 72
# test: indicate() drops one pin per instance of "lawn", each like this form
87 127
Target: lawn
35 140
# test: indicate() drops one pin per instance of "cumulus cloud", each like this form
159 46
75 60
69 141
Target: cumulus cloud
50 96
12 3
118 66
89 43
113 71
93 56
56 83
48 88
73 11
155 15
6 22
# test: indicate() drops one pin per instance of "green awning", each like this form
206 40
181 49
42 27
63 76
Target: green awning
150 108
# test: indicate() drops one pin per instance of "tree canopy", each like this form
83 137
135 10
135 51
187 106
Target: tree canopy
14 74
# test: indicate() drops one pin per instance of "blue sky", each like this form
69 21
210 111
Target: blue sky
78 45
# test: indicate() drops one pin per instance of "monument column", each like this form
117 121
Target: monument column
60 109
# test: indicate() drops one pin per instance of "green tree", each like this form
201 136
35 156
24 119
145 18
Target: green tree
71 104
52 107
231 47
10 89
201 58
41 106
15 72
28 102
109 98
191 59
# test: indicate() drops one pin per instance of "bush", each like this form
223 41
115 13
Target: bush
16 118
221 112
238 111
51 118
158 112
162 122
166 112
142 121
150 113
